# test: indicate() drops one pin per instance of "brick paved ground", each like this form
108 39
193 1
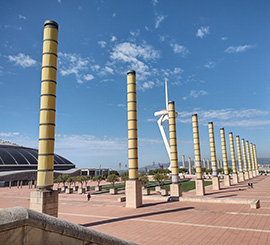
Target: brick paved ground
160 222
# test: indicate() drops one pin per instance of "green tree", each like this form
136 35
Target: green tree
58 181
160 178
112 178
114 172
125 176
63 178
70 180
98 179
182 170
230 171
143 178
194 170
203 170
151 172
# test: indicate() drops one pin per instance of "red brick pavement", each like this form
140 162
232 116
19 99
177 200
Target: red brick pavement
160 222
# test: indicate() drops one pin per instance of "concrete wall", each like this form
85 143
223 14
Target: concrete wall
20 225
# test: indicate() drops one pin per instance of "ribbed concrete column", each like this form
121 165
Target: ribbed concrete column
227 181
208 164
175 187
133 185
256 159
200 189
204 162
239 154
249 160
252 160
217 164
189 166
46 200
183 161
234 175
245 159
215 179
47 106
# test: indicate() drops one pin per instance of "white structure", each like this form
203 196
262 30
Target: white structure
163 117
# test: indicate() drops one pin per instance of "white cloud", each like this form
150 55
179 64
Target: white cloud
95 67
9 134
114 15
210 64
121 105
159 19
88 77
238 49
114 38
59 1
147 85
22 60
135 33
201 32
88 142
228 117
135 56
179 49
154 2
195 94
73 64
106 70
102 44
223 38
22 17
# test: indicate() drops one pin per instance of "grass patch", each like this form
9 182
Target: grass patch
186 186
115 186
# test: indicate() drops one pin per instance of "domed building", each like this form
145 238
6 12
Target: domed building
18 163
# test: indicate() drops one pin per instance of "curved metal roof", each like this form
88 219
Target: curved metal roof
11 155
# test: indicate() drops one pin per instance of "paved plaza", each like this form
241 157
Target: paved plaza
160 222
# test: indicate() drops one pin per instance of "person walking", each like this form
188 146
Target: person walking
88 196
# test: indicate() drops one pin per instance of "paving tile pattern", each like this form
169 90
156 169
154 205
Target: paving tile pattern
167 223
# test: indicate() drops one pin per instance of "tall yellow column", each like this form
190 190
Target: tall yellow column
245 159
249 160
234 175
204 162
200 188
133 185
252 160
208 164
215 179
189 166
217 163
183 160
239 154
45 200
227 181
256 159
175 187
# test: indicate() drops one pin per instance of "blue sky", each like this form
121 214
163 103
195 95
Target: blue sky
215 55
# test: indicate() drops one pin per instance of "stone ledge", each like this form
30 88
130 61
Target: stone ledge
254 203
16 217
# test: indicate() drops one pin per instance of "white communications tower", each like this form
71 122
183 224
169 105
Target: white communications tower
163 117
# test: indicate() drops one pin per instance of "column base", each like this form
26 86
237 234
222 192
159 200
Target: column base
257 172
254 173
133 193
235 178
250 174
176 190
241 177
200 189
44 201
227 181
215 183
246 176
